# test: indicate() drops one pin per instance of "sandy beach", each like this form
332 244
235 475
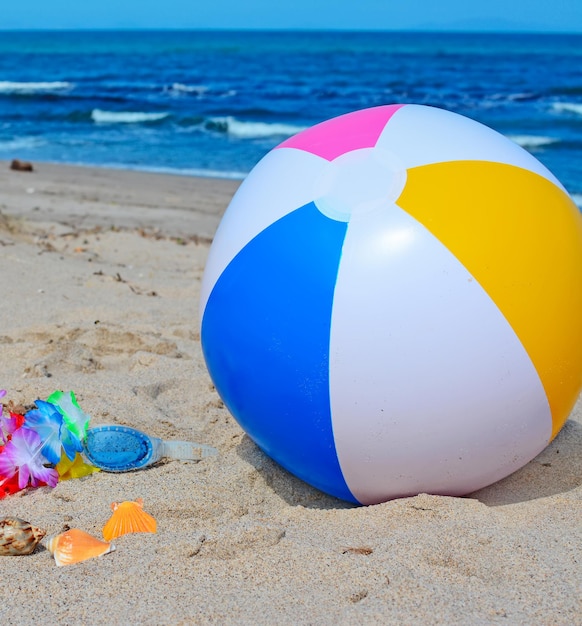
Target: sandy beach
99 287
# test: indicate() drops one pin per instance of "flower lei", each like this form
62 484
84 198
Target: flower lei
42 446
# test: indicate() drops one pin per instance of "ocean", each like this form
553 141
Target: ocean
214 102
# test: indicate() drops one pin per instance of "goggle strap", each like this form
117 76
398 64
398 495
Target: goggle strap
186 450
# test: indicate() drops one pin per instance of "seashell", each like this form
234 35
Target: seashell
74 546
18 537
128 517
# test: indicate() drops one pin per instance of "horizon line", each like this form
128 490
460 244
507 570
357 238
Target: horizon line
422 30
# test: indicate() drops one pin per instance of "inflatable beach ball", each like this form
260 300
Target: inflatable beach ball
393 305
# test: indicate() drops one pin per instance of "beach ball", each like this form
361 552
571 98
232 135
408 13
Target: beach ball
392 305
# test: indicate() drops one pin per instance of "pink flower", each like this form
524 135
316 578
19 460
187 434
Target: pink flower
8 425
23 454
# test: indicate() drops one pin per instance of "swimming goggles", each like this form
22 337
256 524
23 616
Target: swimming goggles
122 449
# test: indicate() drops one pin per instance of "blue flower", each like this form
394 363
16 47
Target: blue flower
47 422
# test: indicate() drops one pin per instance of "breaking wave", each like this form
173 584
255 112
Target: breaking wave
125 117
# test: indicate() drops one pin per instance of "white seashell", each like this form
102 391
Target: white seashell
18 537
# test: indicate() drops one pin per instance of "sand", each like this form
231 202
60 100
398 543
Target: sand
99 285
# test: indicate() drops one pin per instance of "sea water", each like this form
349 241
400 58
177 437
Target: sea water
214 102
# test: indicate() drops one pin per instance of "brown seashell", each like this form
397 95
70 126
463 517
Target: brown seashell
18 537
74 546
128 517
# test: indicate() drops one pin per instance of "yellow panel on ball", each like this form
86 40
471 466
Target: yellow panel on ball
520 236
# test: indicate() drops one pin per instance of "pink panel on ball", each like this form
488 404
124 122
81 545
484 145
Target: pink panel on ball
342 134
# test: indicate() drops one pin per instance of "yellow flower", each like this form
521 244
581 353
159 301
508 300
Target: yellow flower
77 468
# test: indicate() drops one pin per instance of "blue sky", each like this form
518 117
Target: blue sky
488 15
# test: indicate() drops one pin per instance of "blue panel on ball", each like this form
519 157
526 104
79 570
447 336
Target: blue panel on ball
265 337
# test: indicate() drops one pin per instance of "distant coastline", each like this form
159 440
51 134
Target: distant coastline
293 31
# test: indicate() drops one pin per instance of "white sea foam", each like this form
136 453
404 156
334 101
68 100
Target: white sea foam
577 197
230 175
252 130
512 97
567 107
227 174
21 143
533 141
517 97
125 117
29 88
180 88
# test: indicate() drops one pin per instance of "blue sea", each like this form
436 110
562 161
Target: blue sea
213 103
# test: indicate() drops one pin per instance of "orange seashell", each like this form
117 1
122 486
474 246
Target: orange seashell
128 517
75 546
